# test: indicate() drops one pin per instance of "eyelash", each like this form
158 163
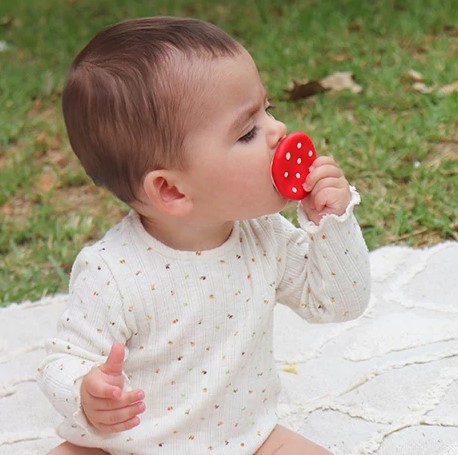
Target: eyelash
252 133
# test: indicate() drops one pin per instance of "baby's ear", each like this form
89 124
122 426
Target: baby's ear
162 191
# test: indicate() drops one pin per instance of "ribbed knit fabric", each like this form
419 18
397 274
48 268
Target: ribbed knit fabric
197 327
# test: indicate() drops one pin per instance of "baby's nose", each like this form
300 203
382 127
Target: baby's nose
277 134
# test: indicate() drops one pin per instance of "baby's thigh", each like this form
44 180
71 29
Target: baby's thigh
286 442
69 449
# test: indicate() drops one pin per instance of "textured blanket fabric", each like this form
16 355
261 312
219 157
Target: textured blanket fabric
384 384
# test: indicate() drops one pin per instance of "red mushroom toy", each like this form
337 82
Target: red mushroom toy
291 165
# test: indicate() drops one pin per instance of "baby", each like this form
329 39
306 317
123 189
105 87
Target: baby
166 343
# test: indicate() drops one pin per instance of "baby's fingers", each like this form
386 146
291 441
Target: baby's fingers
116 420
330 182
318 173
126 399
97 387
117 428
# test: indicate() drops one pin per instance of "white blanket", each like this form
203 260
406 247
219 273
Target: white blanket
385 384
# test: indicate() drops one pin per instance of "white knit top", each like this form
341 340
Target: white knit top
197 327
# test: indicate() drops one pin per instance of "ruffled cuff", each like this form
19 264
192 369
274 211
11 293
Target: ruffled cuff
312 228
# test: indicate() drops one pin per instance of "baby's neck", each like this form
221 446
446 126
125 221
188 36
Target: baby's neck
186 236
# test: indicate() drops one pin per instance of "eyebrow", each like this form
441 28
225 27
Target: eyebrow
246 113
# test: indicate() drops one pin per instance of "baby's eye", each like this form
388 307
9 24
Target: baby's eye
269 109
250 135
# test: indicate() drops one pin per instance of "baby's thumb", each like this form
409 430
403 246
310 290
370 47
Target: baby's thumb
114 363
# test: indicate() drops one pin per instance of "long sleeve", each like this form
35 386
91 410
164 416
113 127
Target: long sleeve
93 320
326 275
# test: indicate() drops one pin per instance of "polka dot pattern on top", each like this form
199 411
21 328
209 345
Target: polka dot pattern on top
291 165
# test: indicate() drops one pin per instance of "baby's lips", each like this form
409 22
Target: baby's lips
291 165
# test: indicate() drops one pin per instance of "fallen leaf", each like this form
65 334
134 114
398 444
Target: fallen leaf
6 21
340 57
355 27
415 76
422 87
300 91
46 182
452 31
341 81
18 207
337 81
41 138
48 84
445 150
448 89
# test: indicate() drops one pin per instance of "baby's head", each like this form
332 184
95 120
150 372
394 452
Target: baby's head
129 98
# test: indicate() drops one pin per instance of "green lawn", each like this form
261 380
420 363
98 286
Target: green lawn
397 145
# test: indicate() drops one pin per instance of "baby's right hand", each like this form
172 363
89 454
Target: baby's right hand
106 406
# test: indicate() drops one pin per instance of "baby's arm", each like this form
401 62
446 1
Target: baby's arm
325 276
94 320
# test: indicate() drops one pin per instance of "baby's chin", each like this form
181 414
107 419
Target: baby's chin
278 206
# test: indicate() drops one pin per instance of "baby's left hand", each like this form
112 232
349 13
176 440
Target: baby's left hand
329 190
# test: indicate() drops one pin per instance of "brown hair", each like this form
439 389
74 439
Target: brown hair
127 96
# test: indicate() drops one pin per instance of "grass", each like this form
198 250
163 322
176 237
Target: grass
398 146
